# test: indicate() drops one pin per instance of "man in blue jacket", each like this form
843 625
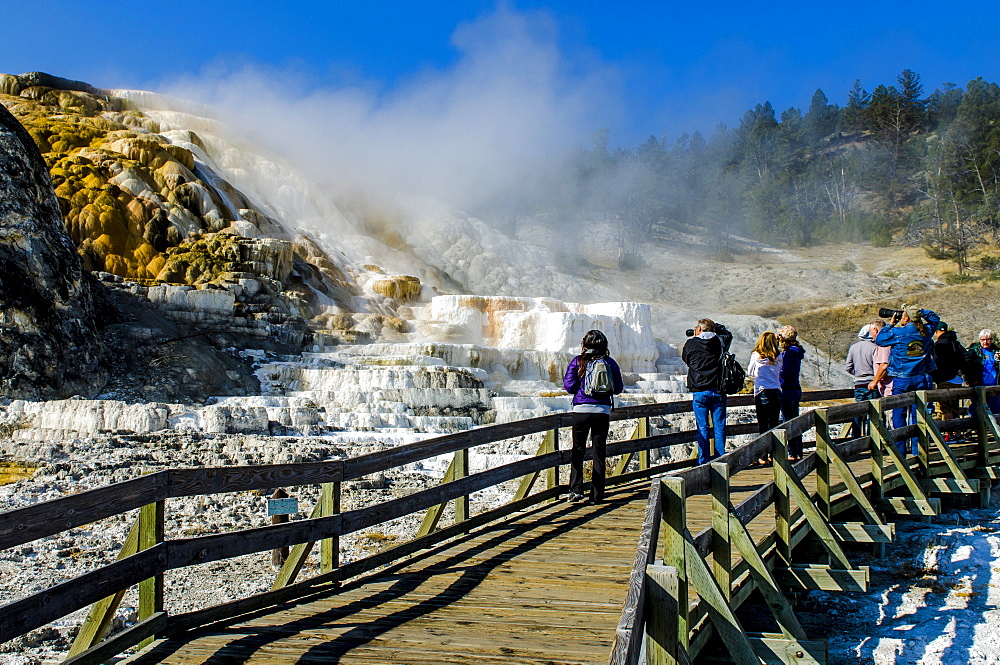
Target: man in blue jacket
911 338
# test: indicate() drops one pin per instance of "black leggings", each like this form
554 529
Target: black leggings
768 405
597 425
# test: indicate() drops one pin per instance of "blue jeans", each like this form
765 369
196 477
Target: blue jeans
906 384
703 403
862 394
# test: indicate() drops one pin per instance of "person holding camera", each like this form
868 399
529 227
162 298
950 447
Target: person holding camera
910 336
702 354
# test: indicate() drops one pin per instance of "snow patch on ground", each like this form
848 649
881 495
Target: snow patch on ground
935 601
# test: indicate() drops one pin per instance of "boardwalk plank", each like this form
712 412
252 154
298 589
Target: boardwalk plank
543 587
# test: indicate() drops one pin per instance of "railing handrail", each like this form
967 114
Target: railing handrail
23 525
698 481
33 522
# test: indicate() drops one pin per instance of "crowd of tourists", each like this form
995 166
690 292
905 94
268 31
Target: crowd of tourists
914 350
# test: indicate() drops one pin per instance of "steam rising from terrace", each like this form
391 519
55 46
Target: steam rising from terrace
504 112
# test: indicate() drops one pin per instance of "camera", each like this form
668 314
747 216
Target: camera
886 313
689 332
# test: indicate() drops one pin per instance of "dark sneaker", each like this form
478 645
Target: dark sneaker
575 498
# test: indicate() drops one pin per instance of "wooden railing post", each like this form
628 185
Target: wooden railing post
151 519
461 471
982 428
641 432
279 554
923 440
552 473
875 411
721 548
823 443
672 533
663 602
329 548
782 502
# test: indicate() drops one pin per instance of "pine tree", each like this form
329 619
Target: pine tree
853 117
911 106
821 118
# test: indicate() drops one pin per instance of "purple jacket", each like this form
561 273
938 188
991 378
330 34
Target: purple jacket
573 383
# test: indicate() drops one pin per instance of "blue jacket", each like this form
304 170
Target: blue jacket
791 365
911 352
573 383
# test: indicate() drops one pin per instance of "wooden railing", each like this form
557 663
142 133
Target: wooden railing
673 567
147 554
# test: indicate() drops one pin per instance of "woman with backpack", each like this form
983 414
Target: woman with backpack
593 378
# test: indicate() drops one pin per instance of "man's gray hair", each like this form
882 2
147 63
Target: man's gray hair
985 332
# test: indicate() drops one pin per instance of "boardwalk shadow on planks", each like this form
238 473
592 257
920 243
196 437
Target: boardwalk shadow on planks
526 532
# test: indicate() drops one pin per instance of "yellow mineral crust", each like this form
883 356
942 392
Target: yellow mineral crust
401 288
127 194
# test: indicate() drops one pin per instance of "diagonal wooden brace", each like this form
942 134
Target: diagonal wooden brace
816 521
768 587
103 611
853 486
934 434
721 614
297 555
548 445
887 445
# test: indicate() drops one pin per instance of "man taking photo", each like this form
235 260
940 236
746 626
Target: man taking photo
702 354
909 336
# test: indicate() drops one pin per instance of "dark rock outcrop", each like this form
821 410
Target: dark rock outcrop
49 347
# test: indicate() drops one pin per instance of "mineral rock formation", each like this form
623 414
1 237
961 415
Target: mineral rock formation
48 342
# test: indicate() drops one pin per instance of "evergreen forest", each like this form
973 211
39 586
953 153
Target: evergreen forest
894 165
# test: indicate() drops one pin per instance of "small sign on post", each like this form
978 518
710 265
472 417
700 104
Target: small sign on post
282 506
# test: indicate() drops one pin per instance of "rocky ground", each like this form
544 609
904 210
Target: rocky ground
933 600
80 464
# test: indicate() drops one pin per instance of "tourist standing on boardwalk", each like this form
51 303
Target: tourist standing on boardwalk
763 368
910 337
883 380
861 365
949 361
702 354
986 370
792 354
593 378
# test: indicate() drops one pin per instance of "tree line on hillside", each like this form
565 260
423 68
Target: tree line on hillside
892 164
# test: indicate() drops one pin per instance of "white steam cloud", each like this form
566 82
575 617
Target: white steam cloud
509 108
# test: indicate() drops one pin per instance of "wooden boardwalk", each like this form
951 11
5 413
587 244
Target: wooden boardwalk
545 586
533 580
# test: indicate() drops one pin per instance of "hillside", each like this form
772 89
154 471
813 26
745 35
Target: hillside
156 195
248 313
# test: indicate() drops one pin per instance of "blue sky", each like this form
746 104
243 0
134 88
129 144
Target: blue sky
664 67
